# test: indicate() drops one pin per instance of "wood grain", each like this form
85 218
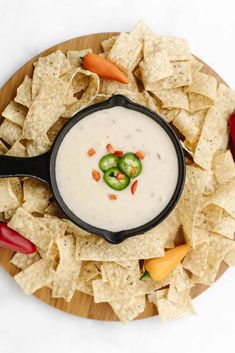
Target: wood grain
81 304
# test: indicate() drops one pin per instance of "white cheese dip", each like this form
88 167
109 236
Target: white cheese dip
128 131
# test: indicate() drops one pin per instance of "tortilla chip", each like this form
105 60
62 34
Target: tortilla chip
36 196
103 292
169 227
218 249
34 277
65 277
141 247
31 228
120 277
126 52
10 132
24 92
113 87
55 129
224 197
107 44
168 114
3 148
87 97
172 98
8 198
214 135
155 68
213 213
202 235
180 77
17 189
18 150
224 167
188 204
23 261
57 226
211 183
75 56
78 80
196 66
46 108
196 259
52 65
75 230
177 48
197 102
205 85
89 272
127 310
230 257
35 148
226 226
142 31
189 125
169 310
177 297
15 112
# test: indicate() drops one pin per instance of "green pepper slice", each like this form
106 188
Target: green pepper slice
130 165
110 177
108 161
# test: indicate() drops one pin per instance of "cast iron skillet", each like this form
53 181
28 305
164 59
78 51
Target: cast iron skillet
43 168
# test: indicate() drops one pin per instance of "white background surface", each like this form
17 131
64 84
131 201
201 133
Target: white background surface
30 26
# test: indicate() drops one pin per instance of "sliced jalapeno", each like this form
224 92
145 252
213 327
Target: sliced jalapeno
110 177
130 165
108 161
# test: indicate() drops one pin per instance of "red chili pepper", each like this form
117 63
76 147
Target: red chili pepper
12 240
232 129
118 153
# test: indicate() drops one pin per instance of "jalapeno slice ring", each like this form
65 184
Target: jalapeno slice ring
130 165
110 177
108 161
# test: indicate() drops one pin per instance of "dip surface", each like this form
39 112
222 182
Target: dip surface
128 131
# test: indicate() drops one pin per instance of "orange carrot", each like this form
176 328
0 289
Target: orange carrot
103 68
160 267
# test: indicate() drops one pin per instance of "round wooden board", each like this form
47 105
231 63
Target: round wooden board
81 304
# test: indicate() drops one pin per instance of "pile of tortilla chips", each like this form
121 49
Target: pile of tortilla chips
166 78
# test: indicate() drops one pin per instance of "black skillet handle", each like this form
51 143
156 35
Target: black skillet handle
37 167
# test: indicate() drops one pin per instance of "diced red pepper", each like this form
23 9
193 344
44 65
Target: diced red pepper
12 240
232 131
95 175
120 176
118 153
112 197
140 154
110 148
91 152
134 187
